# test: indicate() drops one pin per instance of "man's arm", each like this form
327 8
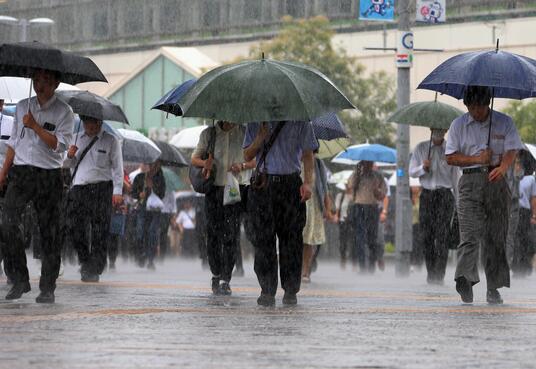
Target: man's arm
47 137
500 172
252 150
533 210
461 160
308 175
8 162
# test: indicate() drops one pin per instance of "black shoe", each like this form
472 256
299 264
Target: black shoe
215 284
464 288
17 290
494 297
224 289
45 298
266 300
290 299
90 277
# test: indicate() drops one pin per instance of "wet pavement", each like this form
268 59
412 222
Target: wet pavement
136 318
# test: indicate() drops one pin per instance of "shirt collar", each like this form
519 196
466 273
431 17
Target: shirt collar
471 120
46 105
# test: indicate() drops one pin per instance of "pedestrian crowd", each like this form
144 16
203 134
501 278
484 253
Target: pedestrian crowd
476 193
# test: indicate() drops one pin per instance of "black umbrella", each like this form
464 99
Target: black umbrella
91 105
23 58
170 156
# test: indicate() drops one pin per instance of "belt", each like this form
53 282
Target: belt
444 189
280 178
479 170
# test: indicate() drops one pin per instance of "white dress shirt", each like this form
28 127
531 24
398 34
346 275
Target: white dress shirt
57 118
470 138
440 174
103 162
6 125
527 190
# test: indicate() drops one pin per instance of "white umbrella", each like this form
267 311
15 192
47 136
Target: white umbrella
14 89
413 182
137 148
187 138
532 149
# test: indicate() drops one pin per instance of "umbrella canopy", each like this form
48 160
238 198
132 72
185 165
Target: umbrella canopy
23 58
371 152
137 148
14 89
169 102
170 156
173 181
433 114
263 90
89 104
329 149
508 75
328 127
187 138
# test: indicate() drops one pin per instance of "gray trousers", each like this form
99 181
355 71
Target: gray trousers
483 211
512 230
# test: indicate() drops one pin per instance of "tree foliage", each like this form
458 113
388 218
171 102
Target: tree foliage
310 42
524 116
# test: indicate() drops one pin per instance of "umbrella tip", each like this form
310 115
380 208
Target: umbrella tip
497 47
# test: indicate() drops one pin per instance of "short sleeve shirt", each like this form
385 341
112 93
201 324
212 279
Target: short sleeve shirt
469 137
285 154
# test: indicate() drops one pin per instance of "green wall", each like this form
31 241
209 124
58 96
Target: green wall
140 93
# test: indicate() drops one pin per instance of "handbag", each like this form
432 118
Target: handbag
197 179
259 179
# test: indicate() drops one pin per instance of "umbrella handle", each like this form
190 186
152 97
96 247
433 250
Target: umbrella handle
430 146
77 131
22 133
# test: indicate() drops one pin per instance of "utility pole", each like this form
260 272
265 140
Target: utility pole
404 58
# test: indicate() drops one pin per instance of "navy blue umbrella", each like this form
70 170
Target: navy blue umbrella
328 127
507 75
169 102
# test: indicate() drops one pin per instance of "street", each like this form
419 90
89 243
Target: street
136 318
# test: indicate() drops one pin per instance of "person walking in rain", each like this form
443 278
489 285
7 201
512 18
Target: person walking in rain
97 187
436 202
42 131
6 125
483 192
223 221
277 199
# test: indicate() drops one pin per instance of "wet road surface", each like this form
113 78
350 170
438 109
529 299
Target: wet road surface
135 318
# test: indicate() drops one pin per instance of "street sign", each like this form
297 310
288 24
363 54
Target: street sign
404 52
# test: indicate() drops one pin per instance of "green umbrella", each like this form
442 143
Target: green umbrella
433 114
331 148
173 181
263 90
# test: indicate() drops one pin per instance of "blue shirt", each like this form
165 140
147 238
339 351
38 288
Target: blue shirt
285 154
469 137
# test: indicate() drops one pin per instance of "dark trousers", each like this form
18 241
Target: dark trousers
523 247
91 209
43 187
223 233
366 218
165 219
148 234
346 238
277 211
435 212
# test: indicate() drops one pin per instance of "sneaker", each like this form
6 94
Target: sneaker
17 290
465 289
494 297
45 298
224 289
266 300
290 299
215 284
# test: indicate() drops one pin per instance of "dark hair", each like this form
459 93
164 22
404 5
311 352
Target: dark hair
55 73
84 118
528 163
476 95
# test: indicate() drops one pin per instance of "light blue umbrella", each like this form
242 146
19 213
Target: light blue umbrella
370 152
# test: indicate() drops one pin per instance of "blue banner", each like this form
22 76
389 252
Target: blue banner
377 10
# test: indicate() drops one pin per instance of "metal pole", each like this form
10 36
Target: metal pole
403 235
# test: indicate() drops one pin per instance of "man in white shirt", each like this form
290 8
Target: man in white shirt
485 156
436 202
42 131
97 185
